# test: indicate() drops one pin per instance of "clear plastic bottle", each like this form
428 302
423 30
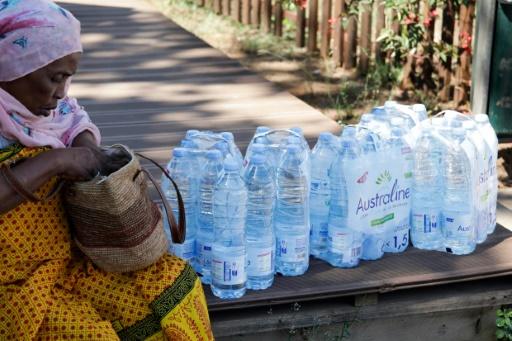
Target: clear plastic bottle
426 191
233 149
397 240
421 111
373 242
182 169
481 179
457 208
210 176
260 231
229 252
344 244
491 139
322 157
292 214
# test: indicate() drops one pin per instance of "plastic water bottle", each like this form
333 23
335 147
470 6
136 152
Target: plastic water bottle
322 157
491 139
343 244
427 192
260 231
261 130
379 123
233 149
373 242
349 132
400 153
421 111
457 211
182 168
229 253
482 197
204 240
292 215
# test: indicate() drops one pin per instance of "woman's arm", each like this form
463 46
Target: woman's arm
71 163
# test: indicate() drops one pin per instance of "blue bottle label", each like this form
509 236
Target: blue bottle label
292 248
457 225
230 270
204 254
426 221
259 261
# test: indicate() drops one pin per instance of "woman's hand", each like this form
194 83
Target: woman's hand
77 163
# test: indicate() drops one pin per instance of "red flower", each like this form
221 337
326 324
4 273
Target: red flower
465 41
411 19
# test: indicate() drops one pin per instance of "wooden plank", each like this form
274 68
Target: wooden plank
235 10
365 40
226 8
445 69
300 32
266 15
217 6
255 13
483 52
380 22
463 75
339 34
278 18
350 48
246 12
312 25
326 28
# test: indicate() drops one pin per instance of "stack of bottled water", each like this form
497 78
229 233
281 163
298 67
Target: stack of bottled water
392 176
455 156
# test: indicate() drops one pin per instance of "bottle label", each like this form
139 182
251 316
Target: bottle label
319 232
457 225
259 261
399 240
292 248
185 251
229 270
426 221
340 240
351 255
204 254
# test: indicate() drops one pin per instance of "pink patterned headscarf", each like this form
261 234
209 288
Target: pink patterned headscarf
33 34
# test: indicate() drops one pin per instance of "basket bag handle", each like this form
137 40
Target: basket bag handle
178 231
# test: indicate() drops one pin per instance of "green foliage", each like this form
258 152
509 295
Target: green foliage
504 324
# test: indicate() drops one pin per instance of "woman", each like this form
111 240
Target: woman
47 289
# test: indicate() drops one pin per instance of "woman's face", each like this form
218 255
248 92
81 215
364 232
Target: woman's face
40 90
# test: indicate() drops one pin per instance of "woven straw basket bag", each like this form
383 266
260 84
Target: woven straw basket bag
114 221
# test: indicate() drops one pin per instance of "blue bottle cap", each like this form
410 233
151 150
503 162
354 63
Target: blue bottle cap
258 148
257 159
227 135
293 148
179 152
190 133
325 137
297 130
481 118
378 111
459 132
222 146
396 131
230 165
347 143
262 129
213 154
293 140
349 132
188 144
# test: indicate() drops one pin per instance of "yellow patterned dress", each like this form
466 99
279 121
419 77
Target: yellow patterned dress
49 291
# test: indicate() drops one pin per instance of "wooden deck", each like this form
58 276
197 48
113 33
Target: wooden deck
145 81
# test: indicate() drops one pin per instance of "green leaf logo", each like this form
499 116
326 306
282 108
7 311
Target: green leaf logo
383 178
